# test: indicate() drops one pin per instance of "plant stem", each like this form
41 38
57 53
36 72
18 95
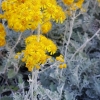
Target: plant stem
70 34
19 38
32 85
85 44
11 51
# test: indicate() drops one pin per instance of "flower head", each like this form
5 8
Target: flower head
35 52
68 2
62 66
46 27
28 14
2 35
73 5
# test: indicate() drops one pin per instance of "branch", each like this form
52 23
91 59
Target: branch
70 34
85 44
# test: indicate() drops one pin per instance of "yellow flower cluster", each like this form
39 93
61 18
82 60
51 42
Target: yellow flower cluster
73 5
27 14
62 66
46 27
35 52
68 2
61 60
2 35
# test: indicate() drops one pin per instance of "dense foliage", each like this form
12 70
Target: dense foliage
49 50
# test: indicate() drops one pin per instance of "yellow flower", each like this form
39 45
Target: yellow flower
2 31
1 16
68 2
62 66
73 5
44 3
38 67
2 35
35 52
28 14
59 15
4 5
2 41
60 58
21 1
76 5
79 4
49 12
46 27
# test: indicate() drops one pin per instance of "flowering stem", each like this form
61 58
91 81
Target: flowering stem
70 34
34 84
78 15
10 54
51 66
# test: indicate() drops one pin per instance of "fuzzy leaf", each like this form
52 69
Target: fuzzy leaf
11 73
6 98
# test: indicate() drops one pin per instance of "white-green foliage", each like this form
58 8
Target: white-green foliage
80 80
